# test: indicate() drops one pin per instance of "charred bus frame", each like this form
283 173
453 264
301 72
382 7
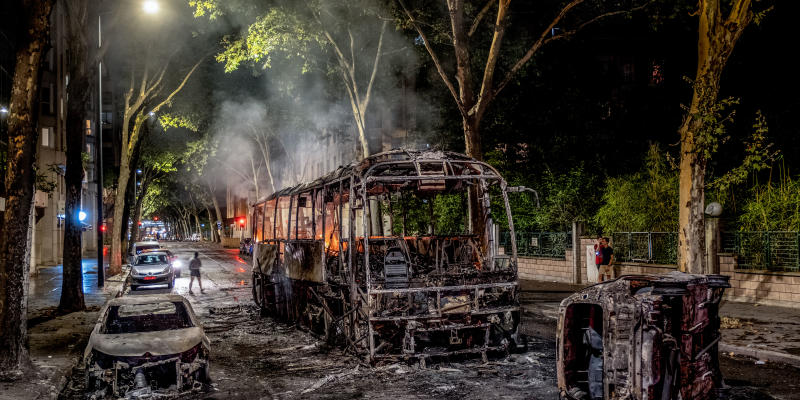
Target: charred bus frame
398 295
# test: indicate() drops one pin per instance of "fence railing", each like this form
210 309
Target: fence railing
772 251
538 244
646 247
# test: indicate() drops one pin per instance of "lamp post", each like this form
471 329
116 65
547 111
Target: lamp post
150 7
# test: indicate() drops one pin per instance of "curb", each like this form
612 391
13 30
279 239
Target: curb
760 354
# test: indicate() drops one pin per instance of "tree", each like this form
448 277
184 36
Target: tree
700 131
354 31
77 18
159 160
474 95
19 184
142 98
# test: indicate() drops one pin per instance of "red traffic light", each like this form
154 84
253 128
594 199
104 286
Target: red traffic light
103 228
241 221
155 218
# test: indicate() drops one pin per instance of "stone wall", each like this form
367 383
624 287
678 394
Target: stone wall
546 269
762 287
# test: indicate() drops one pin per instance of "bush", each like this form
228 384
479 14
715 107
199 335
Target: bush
646 201
772 207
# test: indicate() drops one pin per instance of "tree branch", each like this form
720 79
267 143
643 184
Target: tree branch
479 17
434 57
486 94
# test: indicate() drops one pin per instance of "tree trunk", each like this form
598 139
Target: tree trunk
72 283
137 210
78 91
217 226
211 229
197 224
19 183
115 264
691 217
716 40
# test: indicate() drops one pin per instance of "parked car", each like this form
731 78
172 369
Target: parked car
177 264
145 347
246 247
138 247
152 268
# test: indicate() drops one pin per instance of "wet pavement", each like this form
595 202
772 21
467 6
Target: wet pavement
257 357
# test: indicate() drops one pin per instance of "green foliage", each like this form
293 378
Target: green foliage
278 32
773 206
759 155
43 183
715 119
646 201
173 120
449 213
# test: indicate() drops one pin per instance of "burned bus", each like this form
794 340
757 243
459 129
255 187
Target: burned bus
383 257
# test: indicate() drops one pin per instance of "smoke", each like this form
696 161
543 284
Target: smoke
283 125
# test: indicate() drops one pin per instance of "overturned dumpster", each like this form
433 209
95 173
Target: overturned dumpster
642 337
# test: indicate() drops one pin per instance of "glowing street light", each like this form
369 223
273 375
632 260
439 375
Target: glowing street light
81 216
150 6
3 110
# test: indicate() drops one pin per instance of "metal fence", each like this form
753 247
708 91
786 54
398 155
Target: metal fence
647 247
772 251
538 244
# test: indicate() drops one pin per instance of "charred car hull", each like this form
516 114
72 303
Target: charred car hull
141 377
642 337
142 346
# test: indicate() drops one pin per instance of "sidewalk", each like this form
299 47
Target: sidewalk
762 332
57 342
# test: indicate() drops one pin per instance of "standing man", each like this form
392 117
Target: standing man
598 256
194 270
605 271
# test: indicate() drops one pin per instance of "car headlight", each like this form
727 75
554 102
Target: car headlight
134 271
166 270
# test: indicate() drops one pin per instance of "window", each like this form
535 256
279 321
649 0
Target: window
269 215
47 141
133 318
88 127
46 99
304 222
282 228
259 222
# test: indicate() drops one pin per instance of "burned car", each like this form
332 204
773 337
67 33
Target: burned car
143 345
642 337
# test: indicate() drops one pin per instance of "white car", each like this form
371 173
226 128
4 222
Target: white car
143 346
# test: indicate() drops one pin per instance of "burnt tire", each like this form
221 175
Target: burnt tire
258 293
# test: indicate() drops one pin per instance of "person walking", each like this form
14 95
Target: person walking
194 270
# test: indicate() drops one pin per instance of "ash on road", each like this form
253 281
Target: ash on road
255 357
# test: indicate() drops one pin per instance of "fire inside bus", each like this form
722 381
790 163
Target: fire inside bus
388 258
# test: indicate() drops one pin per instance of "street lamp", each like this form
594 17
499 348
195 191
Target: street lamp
150 6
